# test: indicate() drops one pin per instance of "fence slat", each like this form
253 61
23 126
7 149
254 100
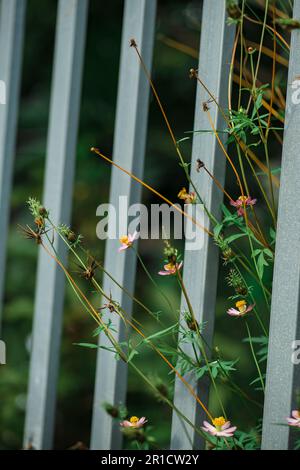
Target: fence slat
129 149
11 46
201 266
62 137
283 377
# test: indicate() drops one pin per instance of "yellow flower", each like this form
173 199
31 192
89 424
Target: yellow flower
127 240
183 194
241 305
124 240
169 267
188 198
219 422
134 419
134 422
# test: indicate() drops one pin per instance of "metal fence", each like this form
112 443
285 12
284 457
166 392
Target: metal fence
217 40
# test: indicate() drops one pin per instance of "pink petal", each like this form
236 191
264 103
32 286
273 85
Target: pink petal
293 422
133 237
179 266
126 424
164 273
252 202
233 312
123 247
209 426
296 414
231 430
227 433
226 425
249 308
141 422
212 433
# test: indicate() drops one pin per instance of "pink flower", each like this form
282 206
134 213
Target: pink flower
242 202
170 269
241 309
134 422
219 428
127 241
295 420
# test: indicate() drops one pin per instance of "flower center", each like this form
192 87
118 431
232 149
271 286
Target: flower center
182 193
241 305
219 422
243 198
169 267
134 419
124 240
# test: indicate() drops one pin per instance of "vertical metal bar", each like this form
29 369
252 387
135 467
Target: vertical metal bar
62 137
129 149
12 17
201 266
283 376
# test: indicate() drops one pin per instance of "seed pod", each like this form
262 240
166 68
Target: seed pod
71 236
39 221
227 254
233 9
113 411
43 211
242 290
193 325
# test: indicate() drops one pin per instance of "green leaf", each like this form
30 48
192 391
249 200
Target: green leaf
132 353
87 345
217 230
234 237
182 140
161 334
94 346
261 263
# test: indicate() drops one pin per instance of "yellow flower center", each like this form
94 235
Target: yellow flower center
243 198
219 422
134 419
182 193
241 305
124 240
169 267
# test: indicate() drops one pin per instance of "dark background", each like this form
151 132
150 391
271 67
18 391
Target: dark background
177 19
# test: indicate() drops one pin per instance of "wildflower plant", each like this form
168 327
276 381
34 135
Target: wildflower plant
245 245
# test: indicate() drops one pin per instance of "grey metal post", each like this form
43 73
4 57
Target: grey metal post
12 17
129 149
201 266
283 377
61 150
